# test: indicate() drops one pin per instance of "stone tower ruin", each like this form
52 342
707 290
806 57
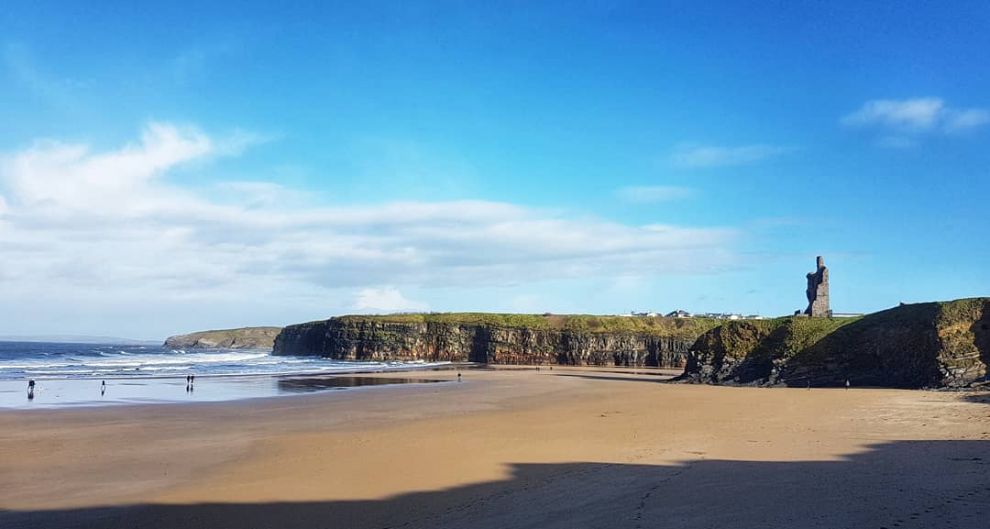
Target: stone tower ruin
818 291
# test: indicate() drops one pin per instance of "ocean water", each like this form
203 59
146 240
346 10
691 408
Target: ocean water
102 374
24 360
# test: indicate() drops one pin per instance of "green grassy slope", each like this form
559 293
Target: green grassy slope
918 345
573 322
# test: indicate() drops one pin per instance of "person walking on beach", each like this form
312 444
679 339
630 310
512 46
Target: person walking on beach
847 383
30 389
103 388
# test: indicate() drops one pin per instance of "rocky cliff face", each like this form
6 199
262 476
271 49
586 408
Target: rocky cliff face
498 339
243 338
911 346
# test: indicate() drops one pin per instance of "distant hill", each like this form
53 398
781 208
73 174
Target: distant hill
242 338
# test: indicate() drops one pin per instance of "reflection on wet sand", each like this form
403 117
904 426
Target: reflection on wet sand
310 384
54 393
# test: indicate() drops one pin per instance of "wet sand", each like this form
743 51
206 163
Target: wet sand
508 448
65 393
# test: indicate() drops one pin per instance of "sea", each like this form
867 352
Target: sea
74 374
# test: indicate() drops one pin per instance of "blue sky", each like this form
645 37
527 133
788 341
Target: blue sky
172 167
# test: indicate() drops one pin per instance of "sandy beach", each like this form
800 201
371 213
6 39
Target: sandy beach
508 448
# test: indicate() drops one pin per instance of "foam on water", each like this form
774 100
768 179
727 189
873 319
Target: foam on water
20 360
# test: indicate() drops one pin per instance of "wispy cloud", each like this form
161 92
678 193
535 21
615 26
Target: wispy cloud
650 194
386 299
705 156
77 221
902 121
23 68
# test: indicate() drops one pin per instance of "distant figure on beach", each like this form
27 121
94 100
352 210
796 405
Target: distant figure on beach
458 377
30 389
847 383
103 388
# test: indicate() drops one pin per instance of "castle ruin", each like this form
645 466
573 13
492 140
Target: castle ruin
818 291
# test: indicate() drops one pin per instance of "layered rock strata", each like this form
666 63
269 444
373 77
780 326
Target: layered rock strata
940 344
497 339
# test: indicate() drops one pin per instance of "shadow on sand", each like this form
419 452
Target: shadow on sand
623 377
904 484
982 397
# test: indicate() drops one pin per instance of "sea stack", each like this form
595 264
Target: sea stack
818 291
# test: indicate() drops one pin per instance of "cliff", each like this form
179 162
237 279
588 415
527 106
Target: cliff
243 338
498 339
939 344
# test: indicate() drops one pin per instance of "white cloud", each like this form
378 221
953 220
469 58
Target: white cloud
386 299
914 114
79 223
705 156
649 194
902 118
970 118
68 178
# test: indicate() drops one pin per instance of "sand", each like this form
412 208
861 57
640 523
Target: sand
508 448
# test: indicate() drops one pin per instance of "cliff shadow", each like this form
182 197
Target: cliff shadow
981 339
897 348
979 398
758 366
480 343
903 484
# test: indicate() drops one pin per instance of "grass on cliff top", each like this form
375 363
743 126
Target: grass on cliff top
962 310
242 331
571 322
222 334
777 337
905 327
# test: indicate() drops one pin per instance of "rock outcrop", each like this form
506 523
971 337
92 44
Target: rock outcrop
243 338
945 344
498 339
817 291
911 346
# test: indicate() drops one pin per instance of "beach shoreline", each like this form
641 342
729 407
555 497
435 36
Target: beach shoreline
504 447
85 392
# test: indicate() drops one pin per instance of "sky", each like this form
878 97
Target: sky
174 166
